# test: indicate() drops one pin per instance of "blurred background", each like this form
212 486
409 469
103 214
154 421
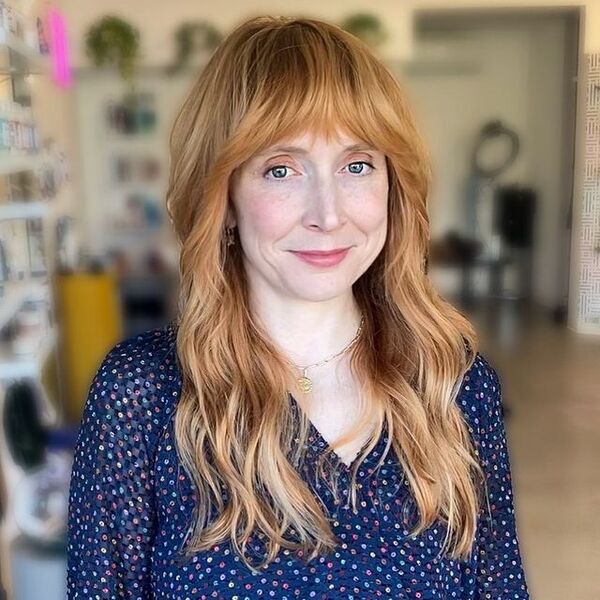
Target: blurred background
508 98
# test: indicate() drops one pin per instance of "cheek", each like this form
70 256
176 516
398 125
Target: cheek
264 217
370 208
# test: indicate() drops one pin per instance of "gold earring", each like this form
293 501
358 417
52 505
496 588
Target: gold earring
229 237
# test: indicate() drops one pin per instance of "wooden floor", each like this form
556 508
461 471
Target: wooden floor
550 379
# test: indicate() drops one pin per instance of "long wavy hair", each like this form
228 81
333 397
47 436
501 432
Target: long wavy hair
235 426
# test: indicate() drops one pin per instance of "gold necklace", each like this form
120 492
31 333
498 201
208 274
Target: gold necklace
304 382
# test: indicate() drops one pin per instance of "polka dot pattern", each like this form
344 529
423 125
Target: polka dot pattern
131 501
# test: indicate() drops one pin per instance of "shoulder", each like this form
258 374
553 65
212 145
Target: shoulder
137 382
142 353
480 395
146 360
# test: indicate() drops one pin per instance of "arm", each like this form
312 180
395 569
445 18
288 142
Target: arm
112 516
499 572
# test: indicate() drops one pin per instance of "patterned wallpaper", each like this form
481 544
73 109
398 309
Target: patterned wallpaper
589 283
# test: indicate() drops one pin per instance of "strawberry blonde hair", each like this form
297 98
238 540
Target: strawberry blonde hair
236 434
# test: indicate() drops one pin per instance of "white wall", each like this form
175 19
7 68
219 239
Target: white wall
518 77
159 19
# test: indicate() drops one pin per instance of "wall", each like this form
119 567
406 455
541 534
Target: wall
158 24
157 49
515 74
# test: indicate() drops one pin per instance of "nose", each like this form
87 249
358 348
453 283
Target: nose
325 209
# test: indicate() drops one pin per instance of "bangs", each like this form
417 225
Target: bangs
296 79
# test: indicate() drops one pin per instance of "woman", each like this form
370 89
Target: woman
318 422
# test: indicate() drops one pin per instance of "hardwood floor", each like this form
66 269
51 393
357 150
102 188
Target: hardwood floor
550 380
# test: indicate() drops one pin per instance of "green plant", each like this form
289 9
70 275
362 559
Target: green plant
365 26
114 41
193 38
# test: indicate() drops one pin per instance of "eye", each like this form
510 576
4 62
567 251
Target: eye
278 171
358 167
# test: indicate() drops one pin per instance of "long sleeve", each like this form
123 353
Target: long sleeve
112 514
499 573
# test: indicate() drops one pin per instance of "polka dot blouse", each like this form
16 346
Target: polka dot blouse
130 503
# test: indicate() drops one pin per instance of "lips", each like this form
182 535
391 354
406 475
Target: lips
322 258
320 252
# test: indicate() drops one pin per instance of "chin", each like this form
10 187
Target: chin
326 296
320 291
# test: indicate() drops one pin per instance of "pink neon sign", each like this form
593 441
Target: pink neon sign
59 48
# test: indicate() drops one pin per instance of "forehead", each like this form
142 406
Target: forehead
305 142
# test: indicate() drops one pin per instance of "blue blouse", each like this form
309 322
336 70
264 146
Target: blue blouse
130 503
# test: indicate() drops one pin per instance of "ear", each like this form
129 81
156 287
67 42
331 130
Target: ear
230 220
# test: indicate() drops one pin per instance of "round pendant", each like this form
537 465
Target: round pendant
304 384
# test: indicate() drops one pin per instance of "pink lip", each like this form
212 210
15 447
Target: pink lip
322 258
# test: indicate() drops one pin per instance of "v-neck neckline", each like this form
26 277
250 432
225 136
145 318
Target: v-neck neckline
321 445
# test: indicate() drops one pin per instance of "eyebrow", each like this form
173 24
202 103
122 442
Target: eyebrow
300 150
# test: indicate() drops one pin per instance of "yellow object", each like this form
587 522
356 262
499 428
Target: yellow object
51 380
90 321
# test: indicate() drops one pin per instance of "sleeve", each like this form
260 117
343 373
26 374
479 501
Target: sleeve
111 520
499 573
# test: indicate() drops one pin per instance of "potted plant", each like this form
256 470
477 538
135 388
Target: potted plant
365 26
194 41
113 41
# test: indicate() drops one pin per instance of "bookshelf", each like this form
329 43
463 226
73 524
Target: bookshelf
34 198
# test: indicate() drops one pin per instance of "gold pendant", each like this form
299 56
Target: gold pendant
304 384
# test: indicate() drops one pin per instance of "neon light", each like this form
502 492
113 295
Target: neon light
59 48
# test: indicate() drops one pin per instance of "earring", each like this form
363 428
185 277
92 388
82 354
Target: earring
229 237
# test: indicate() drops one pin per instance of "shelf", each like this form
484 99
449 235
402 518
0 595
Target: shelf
16 293
35 62
15 366
34 209
152 188
145 145
24 210
133 138
13 163
19 58
136 232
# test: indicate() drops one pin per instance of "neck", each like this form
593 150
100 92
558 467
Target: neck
308 332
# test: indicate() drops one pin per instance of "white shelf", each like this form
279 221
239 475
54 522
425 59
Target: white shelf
102 146
36 62
139 137
151 188
15 162
19 57
24 210
16 293
50 207
142 144
13 366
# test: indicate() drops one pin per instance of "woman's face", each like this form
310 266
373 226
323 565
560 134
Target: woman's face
308 195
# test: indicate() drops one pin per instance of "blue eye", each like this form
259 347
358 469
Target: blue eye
356 168
360 164
277 169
